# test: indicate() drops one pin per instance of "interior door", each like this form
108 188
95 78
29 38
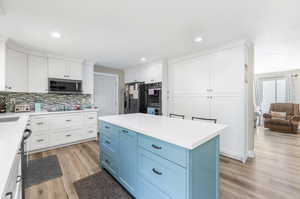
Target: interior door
106 94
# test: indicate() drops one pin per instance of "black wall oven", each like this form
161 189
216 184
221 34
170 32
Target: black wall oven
64 86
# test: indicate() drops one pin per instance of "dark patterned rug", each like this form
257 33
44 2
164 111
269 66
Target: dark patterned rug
100 186
41 170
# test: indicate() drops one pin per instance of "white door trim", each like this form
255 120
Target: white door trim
116 76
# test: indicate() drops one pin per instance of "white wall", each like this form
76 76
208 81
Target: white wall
2 63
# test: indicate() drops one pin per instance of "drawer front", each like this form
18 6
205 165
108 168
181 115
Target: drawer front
90 118
38 125
166 150
165 175
65 121
91 132
109 131
65 137
109 143
38 142
104 126
109 163
147 191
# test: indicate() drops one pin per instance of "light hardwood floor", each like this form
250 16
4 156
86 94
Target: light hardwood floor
273 174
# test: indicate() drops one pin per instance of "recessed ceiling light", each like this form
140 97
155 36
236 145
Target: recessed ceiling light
56 35
198 39
143 59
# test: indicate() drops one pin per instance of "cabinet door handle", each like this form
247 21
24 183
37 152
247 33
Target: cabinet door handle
124 131
40 140
90 118
68 120
9 195
156 172
156 147
107 142
68 135
91 131
40 123
19 179
107 127
107 161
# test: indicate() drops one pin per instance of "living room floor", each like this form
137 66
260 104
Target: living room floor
273 174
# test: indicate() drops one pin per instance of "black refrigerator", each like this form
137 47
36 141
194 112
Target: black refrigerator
135 98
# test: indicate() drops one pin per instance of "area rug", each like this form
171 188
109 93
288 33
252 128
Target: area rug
100 186
41 170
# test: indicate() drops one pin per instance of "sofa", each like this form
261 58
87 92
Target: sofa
282 117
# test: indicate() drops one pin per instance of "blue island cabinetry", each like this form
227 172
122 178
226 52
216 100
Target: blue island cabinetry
153 169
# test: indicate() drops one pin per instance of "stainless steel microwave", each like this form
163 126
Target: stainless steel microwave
64 86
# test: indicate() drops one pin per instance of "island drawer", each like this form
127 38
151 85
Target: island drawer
108 162
108 143
148 191
169 151
167 176
106 127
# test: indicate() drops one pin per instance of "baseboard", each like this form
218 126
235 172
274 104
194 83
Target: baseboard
251 154
62 145
232 155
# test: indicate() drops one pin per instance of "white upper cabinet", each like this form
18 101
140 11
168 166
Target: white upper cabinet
149 73
62 69
74 70
38 74
88 78
57 68
16 73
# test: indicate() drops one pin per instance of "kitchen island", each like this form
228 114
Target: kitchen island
161 157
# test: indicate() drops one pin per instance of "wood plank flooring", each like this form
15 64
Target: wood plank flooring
273 174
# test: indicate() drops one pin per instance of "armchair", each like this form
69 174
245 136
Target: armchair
289 124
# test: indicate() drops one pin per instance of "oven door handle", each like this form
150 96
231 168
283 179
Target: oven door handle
27 134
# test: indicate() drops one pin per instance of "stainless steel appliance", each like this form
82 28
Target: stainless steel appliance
154 98
64 86
134 98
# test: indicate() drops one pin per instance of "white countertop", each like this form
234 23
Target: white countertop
11 134
48 113
185 133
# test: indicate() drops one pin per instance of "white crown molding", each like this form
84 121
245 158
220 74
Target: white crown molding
210 51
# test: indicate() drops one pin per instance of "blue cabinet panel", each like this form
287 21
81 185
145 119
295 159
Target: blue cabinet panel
145 190
109 163
128 159
167 176
169 151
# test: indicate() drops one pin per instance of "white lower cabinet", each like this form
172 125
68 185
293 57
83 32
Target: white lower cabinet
60 129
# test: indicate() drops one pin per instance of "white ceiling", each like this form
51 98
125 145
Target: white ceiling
117 33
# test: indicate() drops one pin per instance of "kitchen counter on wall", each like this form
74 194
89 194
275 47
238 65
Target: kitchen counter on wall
11 134
48 112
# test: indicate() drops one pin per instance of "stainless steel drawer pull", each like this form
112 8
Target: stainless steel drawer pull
107 161
40 140
9 195
156 172
90 118
91 131
156 147
68 120
107 142
68 135
107 127
40 123
124 131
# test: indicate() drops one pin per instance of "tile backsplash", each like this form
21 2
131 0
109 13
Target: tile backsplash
47 100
